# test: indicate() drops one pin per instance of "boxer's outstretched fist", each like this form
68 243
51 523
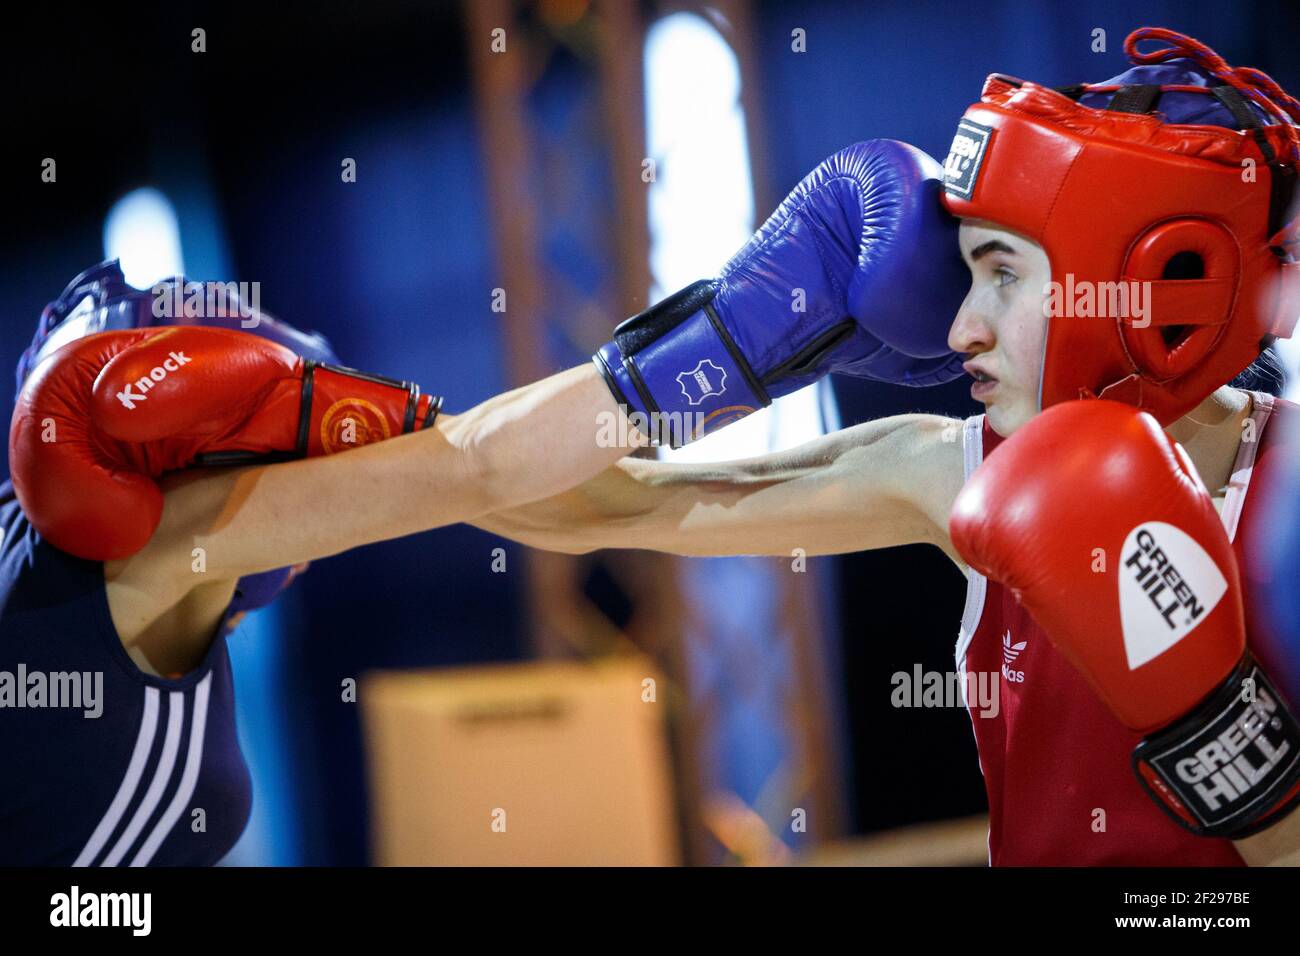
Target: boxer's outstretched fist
857 271
102 418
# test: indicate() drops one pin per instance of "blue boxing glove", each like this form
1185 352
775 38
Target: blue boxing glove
858 271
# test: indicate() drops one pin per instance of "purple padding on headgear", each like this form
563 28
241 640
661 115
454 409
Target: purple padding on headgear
100 300
310 345
1197 109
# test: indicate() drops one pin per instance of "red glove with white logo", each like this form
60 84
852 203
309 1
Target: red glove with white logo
1099 524
100 420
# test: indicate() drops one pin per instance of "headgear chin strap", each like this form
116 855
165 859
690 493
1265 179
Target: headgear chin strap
100 300
1164 199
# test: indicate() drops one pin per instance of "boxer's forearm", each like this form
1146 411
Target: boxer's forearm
866 487
517 447
630 501
541 439
870 486
733 508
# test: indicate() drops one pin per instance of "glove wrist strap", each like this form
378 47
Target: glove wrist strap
364 408
676 370
1231 767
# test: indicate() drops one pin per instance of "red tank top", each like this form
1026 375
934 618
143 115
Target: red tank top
1056 763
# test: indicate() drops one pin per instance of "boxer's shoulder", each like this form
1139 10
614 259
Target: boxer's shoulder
917 460
938 453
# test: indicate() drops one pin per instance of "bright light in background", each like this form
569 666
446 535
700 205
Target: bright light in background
1288 353
142 230
701 206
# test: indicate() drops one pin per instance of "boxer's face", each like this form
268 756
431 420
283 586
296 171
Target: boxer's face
1001 325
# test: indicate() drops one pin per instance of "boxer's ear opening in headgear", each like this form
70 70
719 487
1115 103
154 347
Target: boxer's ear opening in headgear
1184 266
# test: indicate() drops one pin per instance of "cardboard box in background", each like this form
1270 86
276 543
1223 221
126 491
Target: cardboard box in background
566 755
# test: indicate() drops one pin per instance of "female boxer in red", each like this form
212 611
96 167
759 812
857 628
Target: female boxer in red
1132 240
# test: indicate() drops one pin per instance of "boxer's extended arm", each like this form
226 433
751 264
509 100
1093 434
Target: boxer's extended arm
516 447
878 484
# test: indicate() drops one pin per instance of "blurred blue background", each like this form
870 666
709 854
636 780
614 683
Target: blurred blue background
397 269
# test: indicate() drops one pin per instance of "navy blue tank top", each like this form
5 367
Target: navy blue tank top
100 763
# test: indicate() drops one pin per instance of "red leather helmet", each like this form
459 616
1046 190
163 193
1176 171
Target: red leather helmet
1173 194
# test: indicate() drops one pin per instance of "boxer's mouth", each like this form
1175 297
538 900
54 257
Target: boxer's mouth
985 384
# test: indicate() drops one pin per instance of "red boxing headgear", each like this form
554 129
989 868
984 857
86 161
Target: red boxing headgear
1196 220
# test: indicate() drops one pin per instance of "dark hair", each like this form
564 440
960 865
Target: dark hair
1265 374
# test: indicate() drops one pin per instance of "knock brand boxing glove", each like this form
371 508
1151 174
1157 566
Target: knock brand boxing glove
102 418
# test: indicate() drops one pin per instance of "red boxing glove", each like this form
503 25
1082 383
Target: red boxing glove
1099 524
100 420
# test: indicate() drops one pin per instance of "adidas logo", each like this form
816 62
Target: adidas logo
1009 654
